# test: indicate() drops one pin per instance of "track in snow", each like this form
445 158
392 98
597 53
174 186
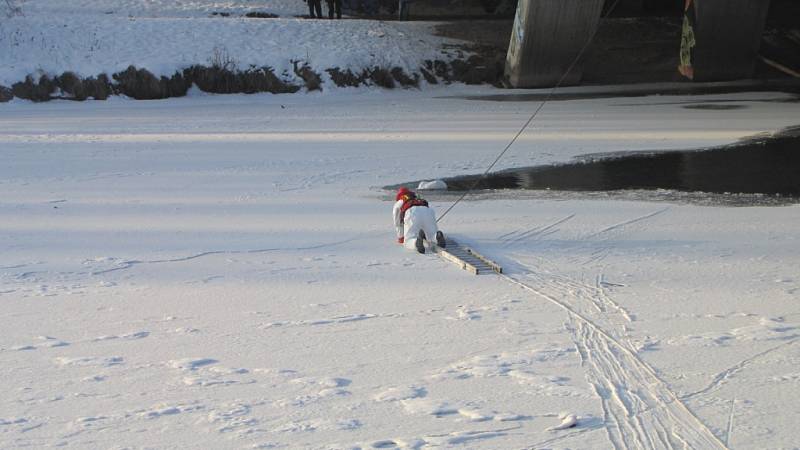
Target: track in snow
600 252
640 411
518 236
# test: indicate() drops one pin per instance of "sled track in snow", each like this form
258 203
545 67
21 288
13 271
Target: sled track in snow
623 224
640 411
594 241
585 295
516 237
728 373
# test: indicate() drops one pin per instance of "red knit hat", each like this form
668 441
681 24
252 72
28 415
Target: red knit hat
401 192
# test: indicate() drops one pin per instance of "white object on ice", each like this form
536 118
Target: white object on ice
567 421
435 185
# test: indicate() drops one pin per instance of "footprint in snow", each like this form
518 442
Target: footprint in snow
191 363
324 382
12 421
232 417
288 373
485 366
317 322
348 424
129 336
377 263
428 407
765 330
311 389
213 376
21 348
472 414
206 382
44 342
162 410
95 378
397 394
185 330
87 422
395 443
328 386
463 313
463 437
205 372
90 361
228 370
790 377
319 424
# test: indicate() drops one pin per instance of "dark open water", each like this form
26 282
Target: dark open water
769 166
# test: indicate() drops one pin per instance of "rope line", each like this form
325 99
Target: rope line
533 116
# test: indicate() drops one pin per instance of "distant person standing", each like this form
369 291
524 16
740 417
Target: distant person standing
315 6
403 9
688 41
338 6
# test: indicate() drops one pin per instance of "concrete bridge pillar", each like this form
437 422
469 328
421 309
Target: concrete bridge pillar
547 37
728 37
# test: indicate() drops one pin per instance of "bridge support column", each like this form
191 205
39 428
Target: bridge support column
728 36
546 38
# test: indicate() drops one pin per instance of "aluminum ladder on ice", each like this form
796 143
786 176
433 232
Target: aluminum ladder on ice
467 258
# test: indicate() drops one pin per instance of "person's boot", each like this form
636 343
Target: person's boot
420 241
440 241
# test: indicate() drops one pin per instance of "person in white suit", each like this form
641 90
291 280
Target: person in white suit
415 221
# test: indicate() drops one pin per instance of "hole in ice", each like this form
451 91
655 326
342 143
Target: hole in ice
762 169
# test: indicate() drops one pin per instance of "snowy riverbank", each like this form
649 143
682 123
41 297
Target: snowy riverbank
102 39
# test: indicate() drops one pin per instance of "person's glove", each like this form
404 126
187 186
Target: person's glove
400 240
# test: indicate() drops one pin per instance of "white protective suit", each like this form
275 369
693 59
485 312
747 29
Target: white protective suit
416 218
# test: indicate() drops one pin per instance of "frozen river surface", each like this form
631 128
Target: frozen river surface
221 272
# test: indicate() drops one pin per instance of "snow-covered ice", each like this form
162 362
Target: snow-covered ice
220 271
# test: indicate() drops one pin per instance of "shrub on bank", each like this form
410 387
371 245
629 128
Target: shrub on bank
220 80
37 91
143 85
5 94
381 77
224 78
346 78
406 81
